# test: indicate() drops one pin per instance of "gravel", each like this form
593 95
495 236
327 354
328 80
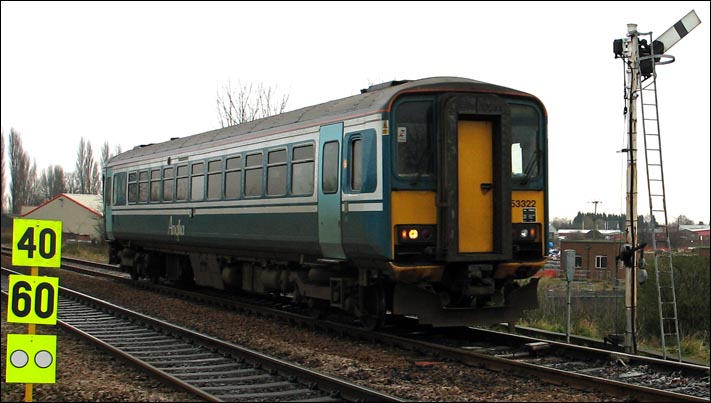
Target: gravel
86 374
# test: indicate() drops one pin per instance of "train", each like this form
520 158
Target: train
424 198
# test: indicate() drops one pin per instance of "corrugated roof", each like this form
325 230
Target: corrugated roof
694 227
92 202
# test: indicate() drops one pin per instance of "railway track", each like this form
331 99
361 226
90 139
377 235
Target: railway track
206 367
618 374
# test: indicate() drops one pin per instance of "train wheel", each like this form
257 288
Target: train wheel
374 306
155 276
133 271
317 308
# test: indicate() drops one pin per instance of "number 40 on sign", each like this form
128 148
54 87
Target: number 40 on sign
36 243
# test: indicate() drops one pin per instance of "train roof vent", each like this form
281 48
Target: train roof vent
387 84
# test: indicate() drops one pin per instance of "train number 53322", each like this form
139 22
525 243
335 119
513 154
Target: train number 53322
523 203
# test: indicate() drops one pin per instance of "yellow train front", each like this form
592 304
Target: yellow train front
425 198
468 204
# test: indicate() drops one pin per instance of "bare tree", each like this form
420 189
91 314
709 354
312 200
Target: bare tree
19 172
243 105
95 188
72 183
52 182
58 183
35 197
105 155
684 220
79 167
87 172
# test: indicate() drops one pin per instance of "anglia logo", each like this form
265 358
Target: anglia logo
176 230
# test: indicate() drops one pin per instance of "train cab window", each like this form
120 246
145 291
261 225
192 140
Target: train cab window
132 187
302 171
233 177
276 173
214 180
525 144
155 185
143 187
329 174
414 131
181 188
253 175
168 184
197 181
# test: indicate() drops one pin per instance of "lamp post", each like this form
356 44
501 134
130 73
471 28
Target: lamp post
595 202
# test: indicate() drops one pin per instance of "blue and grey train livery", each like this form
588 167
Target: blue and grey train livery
425 198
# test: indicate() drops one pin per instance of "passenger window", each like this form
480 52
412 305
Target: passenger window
181 191
143 187
233 178
168 184
214 180
132 187
197 181
329 174
155 185
253 175
276 173
302 171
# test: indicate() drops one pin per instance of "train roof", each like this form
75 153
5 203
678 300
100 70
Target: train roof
377 98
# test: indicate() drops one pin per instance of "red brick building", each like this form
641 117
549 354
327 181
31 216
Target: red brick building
595 260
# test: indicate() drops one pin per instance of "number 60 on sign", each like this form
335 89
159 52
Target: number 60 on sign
36 243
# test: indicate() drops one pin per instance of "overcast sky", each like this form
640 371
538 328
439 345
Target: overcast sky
137 73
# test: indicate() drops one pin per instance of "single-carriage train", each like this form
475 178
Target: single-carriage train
424 198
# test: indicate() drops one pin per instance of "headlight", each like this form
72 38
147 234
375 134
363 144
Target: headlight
526 232
415 233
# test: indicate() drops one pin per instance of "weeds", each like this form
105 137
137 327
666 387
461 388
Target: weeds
598 309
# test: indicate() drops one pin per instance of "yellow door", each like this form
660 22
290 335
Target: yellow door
476 193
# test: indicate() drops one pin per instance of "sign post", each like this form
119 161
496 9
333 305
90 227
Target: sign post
33 300
568 263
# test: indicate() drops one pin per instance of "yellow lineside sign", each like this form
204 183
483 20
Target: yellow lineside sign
36 243
33 299
31 358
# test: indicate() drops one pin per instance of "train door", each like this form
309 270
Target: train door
476 196
474 179
329 191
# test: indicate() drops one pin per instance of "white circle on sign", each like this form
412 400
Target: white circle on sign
43 359
19 358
